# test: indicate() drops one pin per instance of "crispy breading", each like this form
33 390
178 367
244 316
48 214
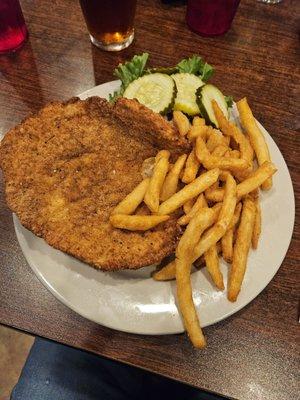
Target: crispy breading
69 165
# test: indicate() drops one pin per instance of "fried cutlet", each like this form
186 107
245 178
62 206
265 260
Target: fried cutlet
68 166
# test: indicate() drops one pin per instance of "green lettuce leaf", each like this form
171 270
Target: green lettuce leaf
128 72
135 68
207 72
197 66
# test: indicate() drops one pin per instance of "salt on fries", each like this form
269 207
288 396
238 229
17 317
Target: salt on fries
218 198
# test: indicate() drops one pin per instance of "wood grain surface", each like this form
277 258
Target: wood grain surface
251 355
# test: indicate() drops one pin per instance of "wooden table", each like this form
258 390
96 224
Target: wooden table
251 355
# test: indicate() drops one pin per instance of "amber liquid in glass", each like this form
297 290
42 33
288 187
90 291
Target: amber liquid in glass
109 22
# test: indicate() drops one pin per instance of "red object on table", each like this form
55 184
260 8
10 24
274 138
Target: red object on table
13 31
211 17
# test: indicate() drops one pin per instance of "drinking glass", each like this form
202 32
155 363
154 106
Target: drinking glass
270 1
110 22
13 31
211 17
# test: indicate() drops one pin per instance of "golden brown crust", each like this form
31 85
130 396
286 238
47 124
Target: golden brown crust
66 168
157 130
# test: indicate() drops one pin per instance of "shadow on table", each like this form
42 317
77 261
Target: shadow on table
20 71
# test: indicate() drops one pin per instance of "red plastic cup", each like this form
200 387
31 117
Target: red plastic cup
13 31
211 17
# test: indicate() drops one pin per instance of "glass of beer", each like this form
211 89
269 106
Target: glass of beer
110 22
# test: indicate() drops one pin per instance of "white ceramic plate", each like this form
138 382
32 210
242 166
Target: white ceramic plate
131 301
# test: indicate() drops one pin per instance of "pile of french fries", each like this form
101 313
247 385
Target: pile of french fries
217 188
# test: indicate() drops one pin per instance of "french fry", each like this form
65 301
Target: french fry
193 231
162 154
197 121
197 129
254 194
215 138
241 249
214 234
161 166
235 154
229 202
231 130
213 187
223 175
213 266
235 165
131 202
257 225
236 216
199 203
171 181
182 122
136 222
227 245
247 186
190 191
183 271
211 237
209 161
188 205
256 179
209 218
191 168
166 273
220 150
186 304
227 239
256 137
230 226
170 167
215 194
227 140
